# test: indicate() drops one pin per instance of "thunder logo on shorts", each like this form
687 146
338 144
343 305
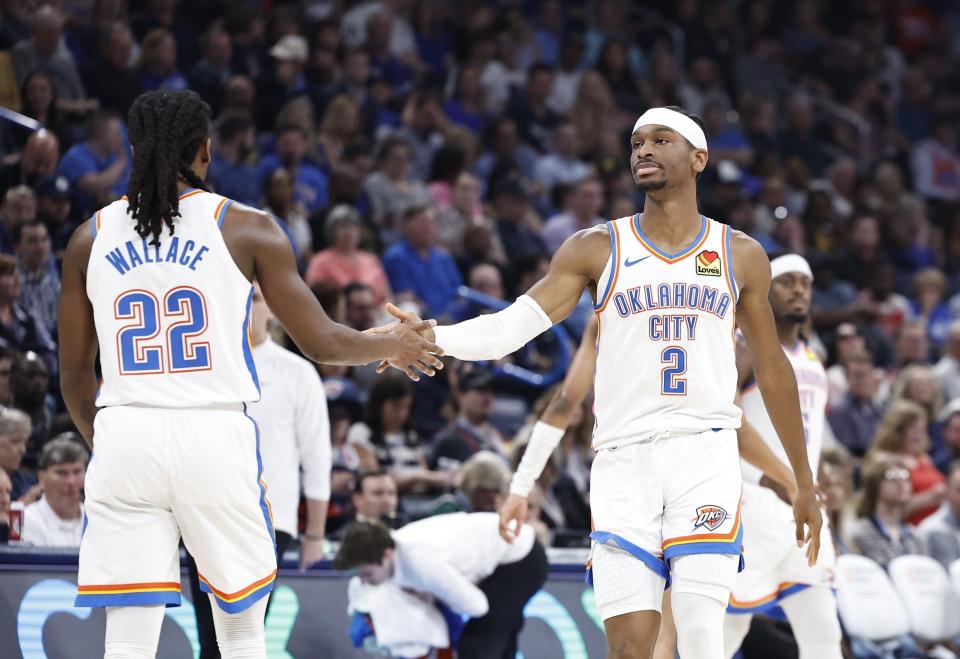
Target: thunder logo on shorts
709 517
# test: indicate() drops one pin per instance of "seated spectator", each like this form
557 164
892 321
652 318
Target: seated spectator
18 329
5 489
576 445
585 206
449 161
460 560
97 168
483 484
30 384
930 288
158 62
385 439
56 520
310 187
40 103
39 159
880 531
111 78
210 75
512 211
562 165
278 200
417 269
464 213
467 105
836 484
339 127
423 127
941 530
39 279
562 507
343 262
855 418
375 499
6 363
390 189
471 431
947 369
483 278
936 165
231 173
530 110
53 209
506 157
14 432
847 341
46 50
949 449
902 435
19 206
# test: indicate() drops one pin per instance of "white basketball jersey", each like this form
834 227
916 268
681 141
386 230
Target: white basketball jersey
173 321
812 385
665 350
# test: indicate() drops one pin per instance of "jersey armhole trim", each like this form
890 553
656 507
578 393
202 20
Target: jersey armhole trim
221 212
614 267
95 223
727 254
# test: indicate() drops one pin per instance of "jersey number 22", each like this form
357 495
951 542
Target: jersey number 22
140 349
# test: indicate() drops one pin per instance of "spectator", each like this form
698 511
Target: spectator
390 189
941 530
111 78
278 200
37 160
424 122
29 384
310 187
936 165
45 50
466 107
567 75
14 432
97 168
916 383
482 486
39 280
158 62
615 68
339 127
282 82
512 209
361 309
929 292
585 206
40 103
231 173
562 507
949 432
507 156
375 499
417 269
529 108
855 419
471 431
463 213
56 520
880 531
947 369
484 278
836 484
18 329
462 561
892 310
210 75
19 206
863 253
449 161
902 435
5 489
386 439
343 262
53 209
6 363
847 342
563 165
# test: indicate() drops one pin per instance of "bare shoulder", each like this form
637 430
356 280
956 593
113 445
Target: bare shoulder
586 251
750 261
744 246
241 219
78 248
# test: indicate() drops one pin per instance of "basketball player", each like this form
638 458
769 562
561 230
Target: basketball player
665 484
160 283
776 572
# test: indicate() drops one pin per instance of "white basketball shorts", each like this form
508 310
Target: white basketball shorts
664 498
159 474
775 566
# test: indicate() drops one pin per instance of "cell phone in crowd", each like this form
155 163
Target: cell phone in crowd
15 522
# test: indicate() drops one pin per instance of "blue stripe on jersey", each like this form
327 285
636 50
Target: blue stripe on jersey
730 276
245 343
93 225
614 264
223 212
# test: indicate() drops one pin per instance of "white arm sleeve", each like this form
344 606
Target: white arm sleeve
543 441
494 335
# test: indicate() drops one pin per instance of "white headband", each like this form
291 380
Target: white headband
673 120
789 263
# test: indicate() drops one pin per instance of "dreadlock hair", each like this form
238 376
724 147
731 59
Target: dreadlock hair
166 131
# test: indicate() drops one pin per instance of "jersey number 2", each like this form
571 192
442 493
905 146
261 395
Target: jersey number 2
179 351
676 360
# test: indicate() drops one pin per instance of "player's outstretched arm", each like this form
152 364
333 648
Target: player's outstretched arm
777 382
548 432
78 335
263 252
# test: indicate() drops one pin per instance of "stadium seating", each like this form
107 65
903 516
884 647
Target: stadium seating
931 603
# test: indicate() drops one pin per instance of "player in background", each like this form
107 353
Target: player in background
549 431
776 572
159 283
665 484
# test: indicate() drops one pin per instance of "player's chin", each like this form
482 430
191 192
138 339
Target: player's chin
650 184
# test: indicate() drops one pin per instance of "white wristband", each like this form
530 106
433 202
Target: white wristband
495 335
543 441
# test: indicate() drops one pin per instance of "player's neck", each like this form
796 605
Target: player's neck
789 334
671 222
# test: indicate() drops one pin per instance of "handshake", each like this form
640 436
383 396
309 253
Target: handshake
416 350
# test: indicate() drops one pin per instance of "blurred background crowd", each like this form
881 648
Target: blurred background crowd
412 147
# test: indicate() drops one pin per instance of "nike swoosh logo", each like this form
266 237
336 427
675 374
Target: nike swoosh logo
627 262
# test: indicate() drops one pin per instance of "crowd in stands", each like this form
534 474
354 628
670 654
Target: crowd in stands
411 147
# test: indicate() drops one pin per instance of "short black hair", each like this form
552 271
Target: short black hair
364 543
364 475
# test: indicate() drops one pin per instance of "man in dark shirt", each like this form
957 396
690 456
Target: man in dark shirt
511 205
471 431
110 78
530 110
231 172
855 419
